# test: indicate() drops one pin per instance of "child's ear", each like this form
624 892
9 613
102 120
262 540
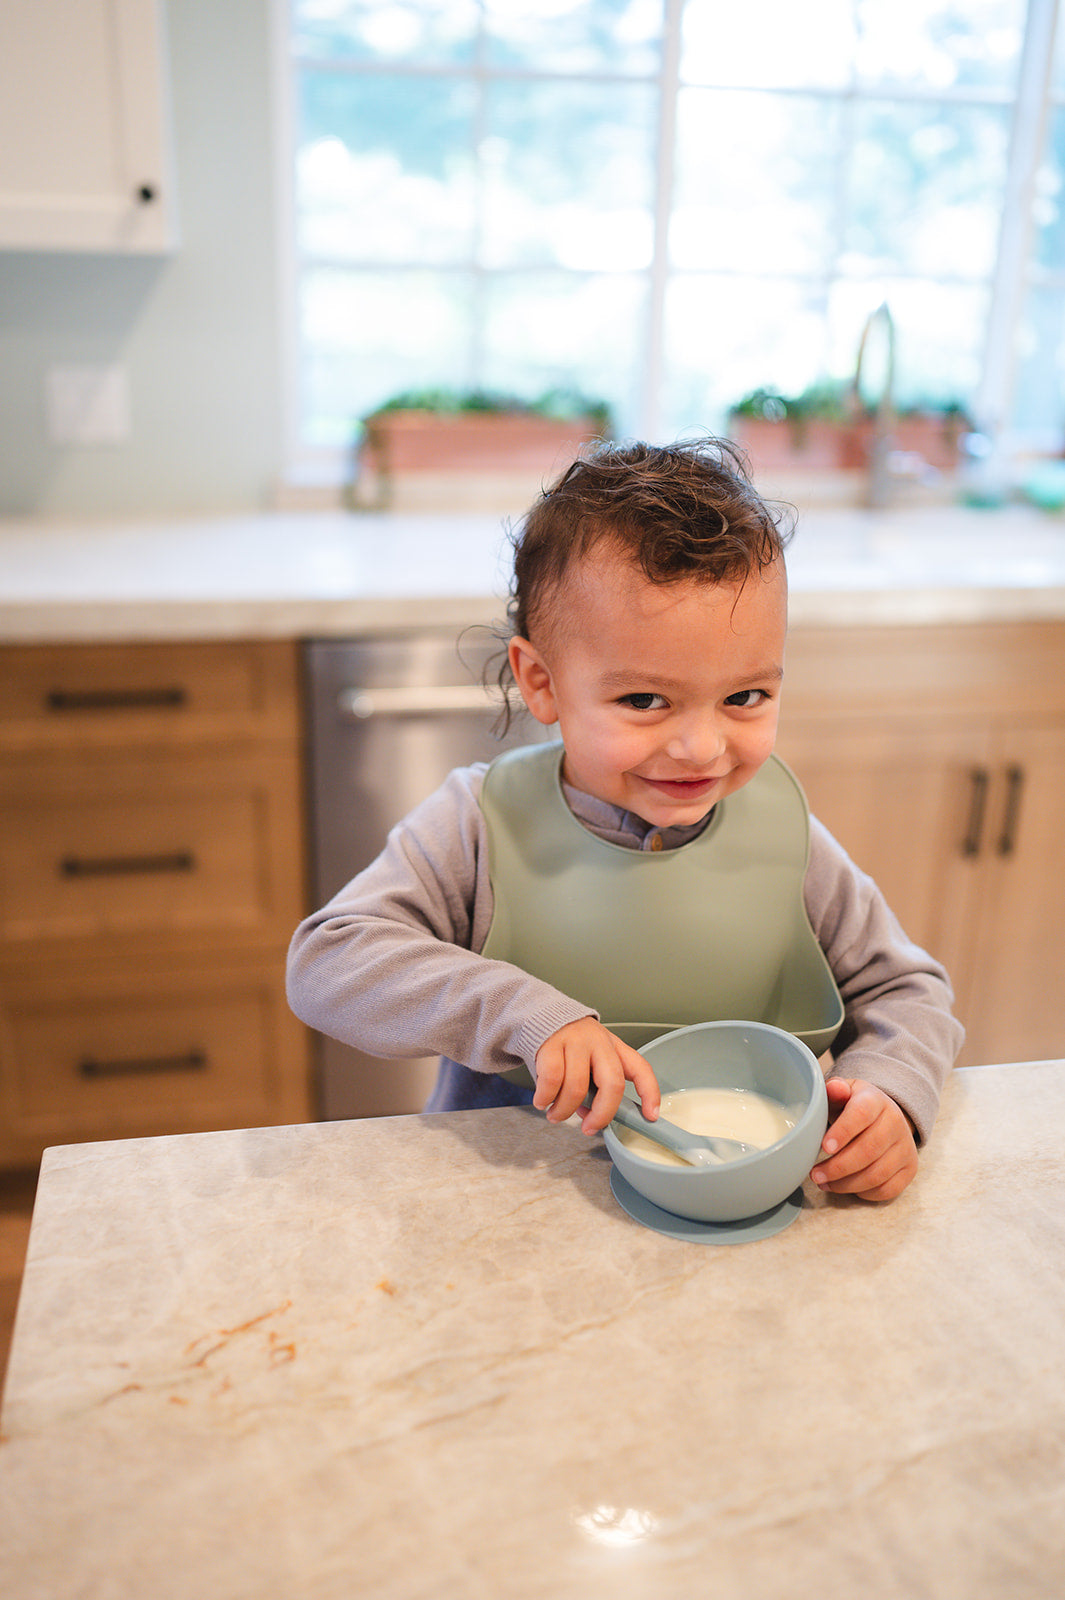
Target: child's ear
533 680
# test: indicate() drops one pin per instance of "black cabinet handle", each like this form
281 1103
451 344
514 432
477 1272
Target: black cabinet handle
979 781
1014 788
146 193
190 1061
116 866
115 699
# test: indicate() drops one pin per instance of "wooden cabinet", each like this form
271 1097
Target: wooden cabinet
936 755
150 879
83 146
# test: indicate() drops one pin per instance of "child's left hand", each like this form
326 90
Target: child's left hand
869 1149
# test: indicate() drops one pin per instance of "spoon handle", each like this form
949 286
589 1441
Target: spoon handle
691 1147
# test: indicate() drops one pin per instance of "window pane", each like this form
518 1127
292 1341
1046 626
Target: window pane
385 168
942 44
768 43
559 331
1049 205
568 175
425 32
1039 392
768 202
926 185
939 334
367 336
725 336
574 35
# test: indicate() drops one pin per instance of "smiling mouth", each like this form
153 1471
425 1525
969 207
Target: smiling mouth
682 787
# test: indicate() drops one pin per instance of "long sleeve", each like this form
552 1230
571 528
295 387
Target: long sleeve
899 1031
392 966
391 963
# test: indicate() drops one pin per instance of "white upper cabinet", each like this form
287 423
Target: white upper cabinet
84 148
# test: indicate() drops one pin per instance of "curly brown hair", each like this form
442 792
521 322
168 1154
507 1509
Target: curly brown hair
679 511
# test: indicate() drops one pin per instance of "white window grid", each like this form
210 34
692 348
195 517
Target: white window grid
1015 272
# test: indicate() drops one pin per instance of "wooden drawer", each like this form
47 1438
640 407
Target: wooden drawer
78 695
967 669
129 846
172 1052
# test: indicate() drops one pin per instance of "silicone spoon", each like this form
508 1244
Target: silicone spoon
697 1149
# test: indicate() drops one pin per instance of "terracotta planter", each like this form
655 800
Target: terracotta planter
820 445
425 451
808 445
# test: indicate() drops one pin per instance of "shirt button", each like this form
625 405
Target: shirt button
656 841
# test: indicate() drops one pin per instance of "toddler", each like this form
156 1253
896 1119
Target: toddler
540 917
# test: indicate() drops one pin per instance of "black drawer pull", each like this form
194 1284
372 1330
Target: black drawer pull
979 780
191 1061
116 866
1014 786
115 699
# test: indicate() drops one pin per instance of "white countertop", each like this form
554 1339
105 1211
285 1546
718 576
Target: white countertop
337 574
430 1358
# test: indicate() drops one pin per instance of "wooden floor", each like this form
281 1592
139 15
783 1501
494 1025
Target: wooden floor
16 1203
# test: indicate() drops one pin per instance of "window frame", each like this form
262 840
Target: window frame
318 468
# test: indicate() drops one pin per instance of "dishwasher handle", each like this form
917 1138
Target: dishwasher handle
416 701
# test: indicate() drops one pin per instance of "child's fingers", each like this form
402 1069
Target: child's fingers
580 1055
881 1179
580 1073
859 1106
620 1062
839 1092
550 1070
641 1075
869 1149
584 1054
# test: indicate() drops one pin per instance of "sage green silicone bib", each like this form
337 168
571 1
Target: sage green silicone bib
655 940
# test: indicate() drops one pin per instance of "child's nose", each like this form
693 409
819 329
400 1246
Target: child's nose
698 741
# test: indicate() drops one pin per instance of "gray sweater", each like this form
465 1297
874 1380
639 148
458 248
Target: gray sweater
392 964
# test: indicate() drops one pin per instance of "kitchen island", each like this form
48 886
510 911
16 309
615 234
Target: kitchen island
430 1357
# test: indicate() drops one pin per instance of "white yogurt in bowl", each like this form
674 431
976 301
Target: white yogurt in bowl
725 1113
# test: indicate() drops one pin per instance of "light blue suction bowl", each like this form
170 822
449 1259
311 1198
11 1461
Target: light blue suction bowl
733 1055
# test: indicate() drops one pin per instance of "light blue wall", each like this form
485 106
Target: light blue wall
197 331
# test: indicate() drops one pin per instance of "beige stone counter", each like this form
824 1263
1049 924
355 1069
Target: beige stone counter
429 1357
338 574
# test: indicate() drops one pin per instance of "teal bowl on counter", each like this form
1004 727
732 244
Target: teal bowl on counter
732 1055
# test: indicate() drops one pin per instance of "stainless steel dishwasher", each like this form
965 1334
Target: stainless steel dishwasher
388 719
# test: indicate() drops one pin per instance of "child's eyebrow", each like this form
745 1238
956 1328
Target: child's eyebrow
624 678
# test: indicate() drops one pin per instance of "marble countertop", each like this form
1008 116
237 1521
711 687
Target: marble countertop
334 574
429 1357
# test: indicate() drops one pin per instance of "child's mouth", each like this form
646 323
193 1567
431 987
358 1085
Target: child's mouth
683 788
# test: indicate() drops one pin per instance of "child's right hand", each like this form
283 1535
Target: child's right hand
584 1053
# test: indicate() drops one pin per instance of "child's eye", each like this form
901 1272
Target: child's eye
746 698
643 702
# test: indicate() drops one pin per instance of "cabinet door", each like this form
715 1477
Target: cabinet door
908 804
159 1046
1014 1010
149 845
83 164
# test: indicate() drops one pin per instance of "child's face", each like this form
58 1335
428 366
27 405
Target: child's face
666 696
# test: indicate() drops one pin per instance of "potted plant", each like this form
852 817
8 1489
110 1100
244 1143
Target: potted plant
829 426
425 445
806 430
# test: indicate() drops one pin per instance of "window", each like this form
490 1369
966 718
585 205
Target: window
667 203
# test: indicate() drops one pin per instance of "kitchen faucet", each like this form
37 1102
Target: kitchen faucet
879 480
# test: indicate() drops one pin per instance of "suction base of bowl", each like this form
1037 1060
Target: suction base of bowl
742 1232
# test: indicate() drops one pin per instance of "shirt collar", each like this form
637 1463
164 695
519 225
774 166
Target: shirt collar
618 826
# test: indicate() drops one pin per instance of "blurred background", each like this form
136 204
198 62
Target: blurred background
672 208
